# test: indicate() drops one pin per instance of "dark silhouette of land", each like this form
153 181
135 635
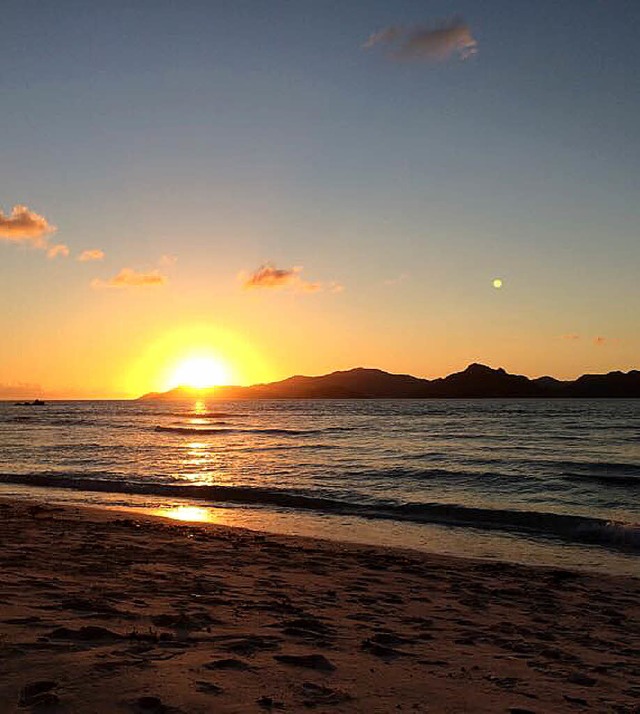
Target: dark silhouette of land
476 381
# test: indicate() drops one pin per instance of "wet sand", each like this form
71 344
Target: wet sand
104 611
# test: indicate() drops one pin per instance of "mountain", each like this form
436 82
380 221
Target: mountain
613 384
476 381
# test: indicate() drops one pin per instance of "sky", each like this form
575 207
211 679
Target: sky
296 187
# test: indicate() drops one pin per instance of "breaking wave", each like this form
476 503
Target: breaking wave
568 527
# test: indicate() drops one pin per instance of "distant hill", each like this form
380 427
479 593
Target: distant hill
476 381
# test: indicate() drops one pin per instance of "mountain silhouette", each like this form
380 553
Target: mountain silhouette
476 381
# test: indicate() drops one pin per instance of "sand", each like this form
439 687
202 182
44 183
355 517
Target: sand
104 611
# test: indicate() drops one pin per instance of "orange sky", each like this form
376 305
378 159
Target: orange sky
177 183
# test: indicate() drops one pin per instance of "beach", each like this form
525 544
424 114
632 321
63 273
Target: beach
112 611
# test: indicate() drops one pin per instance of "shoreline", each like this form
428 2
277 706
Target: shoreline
111 607
430 538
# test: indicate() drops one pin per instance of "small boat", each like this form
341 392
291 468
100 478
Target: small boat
34 403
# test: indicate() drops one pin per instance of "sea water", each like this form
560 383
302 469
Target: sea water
539 481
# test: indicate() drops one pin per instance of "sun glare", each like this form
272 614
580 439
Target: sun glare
199 373
186 513
196 356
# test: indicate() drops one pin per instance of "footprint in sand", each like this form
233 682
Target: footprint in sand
208 687
317 695
38 694
227 664
313 661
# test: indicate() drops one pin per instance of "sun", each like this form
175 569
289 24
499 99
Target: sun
199 373
197 356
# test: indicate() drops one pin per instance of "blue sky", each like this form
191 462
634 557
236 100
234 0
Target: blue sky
231 134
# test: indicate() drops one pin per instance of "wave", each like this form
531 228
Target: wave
597 465
614 473
568 527
199 415
601 472
292 447
403 473
51 420
198 423
185 413
274 432
608 480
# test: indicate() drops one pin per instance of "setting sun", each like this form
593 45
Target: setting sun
200 373
196 356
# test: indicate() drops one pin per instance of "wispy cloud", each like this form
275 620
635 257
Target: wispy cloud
598 341
128 277
268 276
56 250
167 260
383 37
90 255
395 281
25 227
436 43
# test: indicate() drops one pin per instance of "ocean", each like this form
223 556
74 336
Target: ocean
552 482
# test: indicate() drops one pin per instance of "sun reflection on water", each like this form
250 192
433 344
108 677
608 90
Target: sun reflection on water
196 446
197 454
201 464
194 514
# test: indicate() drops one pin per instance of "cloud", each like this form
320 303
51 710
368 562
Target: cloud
268 276
128 277
25 227
89 255
383 37
398 279
167 260
53 251
436 44
571 336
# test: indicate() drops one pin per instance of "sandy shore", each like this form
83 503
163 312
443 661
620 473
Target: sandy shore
102 611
